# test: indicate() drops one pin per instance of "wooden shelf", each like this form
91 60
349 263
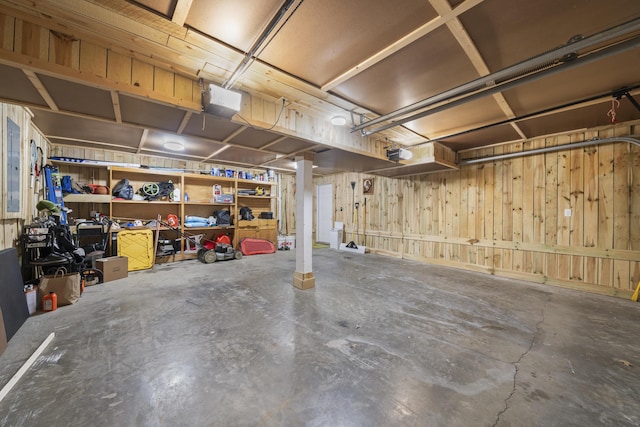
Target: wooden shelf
147 202
249 196
255 183
217 227
198 203
87 198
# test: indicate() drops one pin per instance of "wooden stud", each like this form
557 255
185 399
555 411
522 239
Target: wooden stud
93 59
538 206
517 166
498 190
527 190
590 203
576 231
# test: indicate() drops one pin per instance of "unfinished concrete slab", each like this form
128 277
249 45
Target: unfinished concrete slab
379 341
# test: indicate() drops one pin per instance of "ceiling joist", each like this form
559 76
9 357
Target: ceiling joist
181 11
400 44
115 100
143 139
35 81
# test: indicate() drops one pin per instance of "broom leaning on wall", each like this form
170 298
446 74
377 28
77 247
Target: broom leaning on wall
351 246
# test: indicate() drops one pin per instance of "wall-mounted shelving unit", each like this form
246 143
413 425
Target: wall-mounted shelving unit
197 198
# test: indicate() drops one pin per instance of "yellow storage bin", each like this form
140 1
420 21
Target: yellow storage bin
137 245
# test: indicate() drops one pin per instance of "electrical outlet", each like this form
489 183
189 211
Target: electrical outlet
357 205
567 212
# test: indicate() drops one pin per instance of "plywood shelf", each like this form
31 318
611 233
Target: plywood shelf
199 203
255 183
217 227
87 198
145 202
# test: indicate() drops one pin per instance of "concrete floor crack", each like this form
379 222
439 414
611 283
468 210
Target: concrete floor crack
517 363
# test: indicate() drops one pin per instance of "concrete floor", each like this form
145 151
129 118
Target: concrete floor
378 342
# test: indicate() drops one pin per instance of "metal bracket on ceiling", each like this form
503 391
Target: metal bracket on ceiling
618 94
353 120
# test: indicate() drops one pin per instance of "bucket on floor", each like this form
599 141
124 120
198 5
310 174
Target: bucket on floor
290 242
281 243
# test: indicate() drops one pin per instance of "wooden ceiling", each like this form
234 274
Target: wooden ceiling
314 59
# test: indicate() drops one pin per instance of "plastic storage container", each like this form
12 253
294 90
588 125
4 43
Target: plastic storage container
137 245
50 302
335 235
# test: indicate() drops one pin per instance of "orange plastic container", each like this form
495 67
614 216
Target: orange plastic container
50 302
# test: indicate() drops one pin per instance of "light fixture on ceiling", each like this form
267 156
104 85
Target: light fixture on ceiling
174 146
338 121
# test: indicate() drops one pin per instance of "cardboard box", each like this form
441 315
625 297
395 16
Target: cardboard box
113 268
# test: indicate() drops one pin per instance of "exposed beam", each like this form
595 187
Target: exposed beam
44 93
115 100
88 141
472 52
143 139
215 153
281 156
234 134
184 122
403 42
274 142
294 153
179 155
181 11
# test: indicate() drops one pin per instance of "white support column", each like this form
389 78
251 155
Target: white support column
303 277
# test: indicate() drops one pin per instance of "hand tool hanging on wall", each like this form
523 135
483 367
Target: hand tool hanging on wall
352 244
34 163
38 168
364 222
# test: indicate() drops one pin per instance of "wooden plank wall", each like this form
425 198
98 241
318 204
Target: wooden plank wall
85 59
41 46
11 224
567 218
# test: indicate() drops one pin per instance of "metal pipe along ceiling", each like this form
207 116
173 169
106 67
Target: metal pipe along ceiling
249 56
589 143
612 50
555 56
620 92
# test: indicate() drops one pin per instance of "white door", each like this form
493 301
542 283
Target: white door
324 212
